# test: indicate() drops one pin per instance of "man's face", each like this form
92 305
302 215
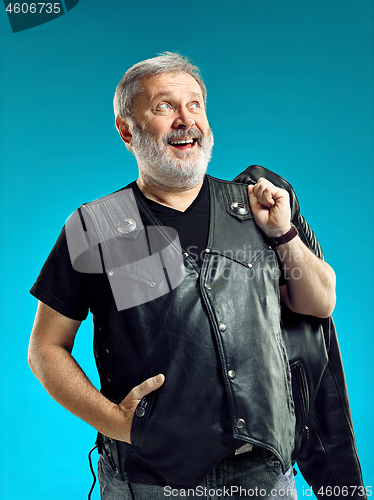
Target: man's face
171 138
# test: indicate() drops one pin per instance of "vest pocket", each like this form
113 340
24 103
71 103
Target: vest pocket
141 414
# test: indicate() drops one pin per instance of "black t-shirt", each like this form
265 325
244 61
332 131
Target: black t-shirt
74 293
192 225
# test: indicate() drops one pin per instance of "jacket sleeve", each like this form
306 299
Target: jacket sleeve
325 447
329 457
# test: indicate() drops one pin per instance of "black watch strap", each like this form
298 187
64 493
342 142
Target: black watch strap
275 241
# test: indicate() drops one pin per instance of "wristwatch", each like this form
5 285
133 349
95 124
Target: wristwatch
275 241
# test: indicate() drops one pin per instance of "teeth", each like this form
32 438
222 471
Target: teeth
188 141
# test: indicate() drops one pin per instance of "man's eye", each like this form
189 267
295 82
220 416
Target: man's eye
195 105
164 105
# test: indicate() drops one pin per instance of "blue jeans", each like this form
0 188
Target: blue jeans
249 475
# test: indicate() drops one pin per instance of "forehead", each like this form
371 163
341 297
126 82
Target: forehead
179 84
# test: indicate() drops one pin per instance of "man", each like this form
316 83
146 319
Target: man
196 388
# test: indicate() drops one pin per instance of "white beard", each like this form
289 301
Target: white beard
161 170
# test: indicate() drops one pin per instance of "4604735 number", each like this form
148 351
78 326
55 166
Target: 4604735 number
34 8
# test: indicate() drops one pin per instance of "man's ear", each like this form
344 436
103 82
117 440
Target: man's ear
124 130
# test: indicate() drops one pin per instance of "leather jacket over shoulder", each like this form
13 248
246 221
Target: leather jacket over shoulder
325 447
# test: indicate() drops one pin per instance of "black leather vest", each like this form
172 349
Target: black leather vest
216 337
325 447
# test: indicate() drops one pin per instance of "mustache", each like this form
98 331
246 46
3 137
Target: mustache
192 133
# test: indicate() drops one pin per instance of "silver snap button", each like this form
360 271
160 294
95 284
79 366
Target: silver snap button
239 208
222 327
151 284
109 381
231 374
240 423
126 226
185 255
111 273
207 250
250 266
207 286
107 351
140 411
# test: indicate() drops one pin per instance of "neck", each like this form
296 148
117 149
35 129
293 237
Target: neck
177 198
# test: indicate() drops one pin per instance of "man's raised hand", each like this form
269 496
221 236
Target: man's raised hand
270 206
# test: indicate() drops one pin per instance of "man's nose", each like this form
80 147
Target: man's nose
184 120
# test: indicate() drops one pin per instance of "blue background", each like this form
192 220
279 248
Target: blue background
290 87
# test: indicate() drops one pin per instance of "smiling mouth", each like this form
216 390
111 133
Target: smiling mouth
183 144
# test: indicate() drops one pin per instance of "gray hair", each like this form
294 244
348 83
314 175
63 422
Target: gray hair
130 85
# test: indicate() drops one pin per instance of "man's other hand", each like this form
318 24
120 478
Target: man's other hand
126 409
270 206
310 282
50 359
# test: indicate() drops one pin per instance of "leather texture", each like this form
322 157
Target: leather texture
225 318
325 447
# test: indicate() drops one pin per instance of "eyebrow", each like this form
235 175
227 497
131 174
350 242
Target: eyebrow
164 94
